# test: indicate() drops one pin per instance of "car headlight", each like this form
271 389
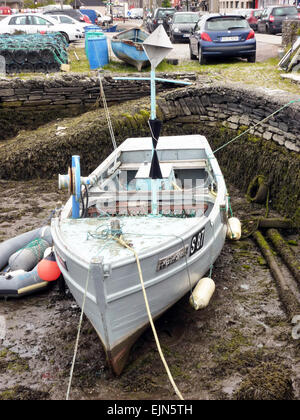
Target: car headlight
78 30
176 30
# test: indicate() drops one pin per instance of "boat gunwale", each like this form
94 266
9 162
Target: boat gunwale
106 165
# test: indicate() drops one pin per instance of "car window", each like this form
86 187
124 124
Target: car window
18 20
162 13
36 20
225 24
65 19
285 11
257 13
185 18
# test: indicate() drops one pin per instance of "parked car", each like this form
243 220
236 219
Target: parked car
74 13
32 23
181 25
91 14
68 20
5 10
136 13
252 16
160 16
103 19
272 17
222 36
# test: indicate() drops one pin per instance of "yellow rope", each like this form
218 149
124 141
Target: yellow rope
121 241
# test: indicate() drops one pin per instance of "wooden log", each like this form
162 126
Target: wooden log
285 252
249 226
290 301
276 222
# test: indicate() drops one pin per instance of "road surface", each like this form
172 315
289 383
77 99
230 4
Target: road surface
267 45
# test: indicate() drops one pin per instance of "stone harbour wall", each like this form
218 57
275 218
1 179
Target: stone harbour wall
238 108
29 103
290 32
221 112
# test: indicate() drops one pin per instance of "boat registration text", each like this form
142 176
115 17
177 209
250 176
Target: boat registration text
171 259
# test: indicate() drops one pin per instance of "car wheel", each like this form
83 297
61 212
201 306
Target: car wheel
192 56
251 58
268 30
66 37
173 39
201 59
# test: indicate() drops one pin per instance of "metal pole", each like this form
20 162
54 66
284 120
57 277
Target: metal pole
154 210
76 193
153 93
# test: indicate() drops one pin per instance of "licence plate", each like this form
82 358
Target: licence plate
160 21
186 35
229 38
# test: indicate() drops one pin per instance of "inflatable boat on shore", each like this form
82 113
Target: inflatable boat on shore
27 263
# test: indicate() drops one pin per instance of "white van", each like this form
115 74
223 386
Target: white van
136 13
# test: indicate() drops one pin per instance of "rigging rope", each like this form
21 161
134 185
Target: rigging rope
109 123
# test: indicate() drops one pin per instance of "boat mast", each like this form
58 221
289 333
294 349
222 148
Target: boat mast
157 46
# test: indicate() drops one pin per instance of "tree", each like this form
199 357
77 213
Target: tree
166 3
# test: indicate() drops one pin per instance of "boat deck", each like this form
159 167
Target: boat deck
87 238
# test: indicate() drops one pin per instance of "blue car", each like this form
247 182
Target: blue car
222 36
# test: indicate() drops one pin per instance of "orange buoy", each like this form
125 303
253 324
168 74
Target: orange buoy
48 269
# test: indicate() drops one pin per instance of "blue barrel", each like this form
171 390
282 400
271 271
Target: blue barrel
93 28
91 34
97 52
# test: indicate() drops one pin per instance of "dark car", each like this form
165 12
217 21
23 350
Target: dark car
74 13
252 16
161 16
272 17
181 25
222 36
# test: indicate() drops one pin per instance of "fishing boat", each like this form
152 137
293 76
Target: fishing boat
128 47
140 231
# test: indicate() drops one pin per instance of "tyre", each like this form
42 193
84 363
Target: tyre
192 56
269 30
251 58
66 37
201 59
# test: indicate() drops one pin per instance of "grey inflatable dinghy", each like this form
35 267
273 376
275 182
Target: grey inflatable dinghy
19 257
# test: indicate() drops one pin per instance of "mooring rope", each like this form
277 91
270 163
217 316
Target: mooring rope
124 244
254 126
78 335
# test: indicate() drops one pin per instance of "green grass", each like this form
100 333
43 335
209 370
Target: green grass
265 74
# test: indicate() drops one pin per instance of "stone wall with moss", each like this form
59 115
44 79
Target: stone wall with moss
290 32
220 112
29 103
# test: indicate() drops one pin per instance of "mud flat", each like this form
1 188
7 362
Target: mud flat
240 347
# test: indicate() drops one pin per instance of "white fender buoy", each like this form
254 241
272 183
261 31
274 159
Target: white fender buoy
234 229
202 293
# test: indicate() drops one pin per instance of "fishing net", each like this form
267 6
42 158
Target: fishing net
34 53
